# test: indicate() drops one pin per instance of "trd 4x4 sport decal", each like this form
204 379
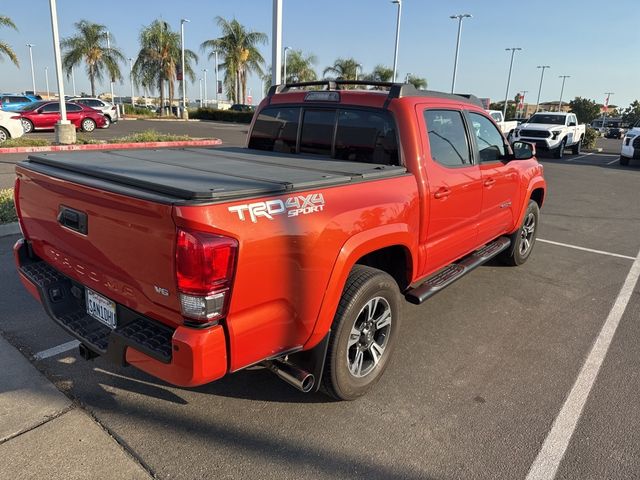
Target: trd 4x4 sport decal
292 207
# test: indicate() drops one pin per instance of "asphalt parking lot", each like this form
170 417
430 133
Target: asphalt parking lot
481 373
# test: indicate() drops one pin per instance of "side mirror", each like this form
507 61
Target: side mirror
572 124
523 150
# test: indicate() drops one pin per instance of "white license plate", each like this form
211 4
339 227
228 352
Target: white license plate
101 308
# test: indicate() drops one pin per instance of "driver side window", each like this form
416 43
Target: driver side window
488 137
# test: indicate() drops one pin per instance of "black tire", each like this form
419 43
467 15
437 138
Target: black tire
577 148
88 125
519 251
4 135
624 161
559 151
107 121
27 125
370 298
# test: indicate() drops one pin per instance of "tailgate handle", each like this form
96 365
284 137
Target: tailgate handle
73 219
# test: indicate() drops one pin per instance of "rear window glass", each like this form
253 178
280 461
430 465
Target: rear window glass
276 130
317 131
351 134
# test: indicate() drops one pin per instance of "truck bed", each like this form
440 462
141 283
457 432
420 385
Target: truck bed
205 175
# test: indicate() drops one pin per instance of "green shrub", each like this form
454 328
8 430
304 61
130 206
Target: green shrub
140 111
221 115
590 137
25 142
7 208
150 136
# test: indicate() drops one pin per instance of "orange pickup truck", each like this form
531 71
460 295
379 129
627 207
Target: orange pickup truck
295 252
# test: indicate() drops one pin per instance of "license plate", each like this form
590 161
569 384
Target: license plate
101 308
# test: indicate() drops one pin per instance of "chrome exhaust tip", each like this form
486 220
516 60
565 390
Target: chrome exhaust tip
293 375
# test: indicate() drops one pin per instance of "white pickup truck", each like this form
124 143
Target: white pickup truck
552 131
631 145
506 127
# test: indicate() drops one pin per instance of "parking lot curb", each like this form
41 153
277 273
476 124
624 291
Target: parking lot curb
113 146
9 229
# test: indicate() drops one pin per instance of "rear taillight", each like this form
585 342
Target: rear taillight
16 117
205 264
16 204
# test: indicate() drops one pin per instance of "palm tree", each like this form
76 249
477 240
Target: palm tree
89 45
5 49
342 69
299 69
239 49
159 58
418 82
380 74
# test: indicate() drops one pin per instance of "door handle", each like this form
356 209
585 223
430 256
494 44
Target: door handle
489 182
442 193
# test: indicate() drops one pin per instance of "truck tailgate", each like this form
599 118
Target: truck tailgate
125 253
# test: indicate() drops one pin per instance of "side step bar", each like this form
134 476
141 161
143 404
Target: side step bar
453 272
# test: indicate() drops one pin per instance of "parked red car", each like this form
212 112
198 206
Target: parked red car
44 116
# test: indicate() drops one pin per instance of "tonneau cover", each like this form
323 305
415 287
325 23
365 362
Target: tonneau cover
213 173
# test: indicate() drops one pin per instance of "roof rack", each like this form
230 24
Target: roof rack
396 90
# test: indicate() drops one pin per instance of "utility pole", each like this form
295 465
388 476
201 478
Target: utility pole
185 113
543 67
459 17
276 44
564 78
33 75
395 54
200 80
506 95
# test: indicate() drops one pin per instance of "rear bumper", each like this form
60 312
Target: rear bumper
630 152
183 356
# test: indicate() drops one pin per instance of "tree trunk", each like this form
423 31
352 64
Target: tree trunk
237 93
161 88
244 88
92 79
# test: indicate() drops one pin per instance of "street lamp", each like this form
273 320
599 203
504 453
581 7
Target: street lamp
131 80
185 114
543 67
204 71
506 95
395 54
33 75
563 77
284 63
459 17
276 43
65 131
46 76
200 81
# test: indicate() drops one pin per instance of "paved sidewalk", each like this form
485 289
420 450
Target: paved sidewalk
44 435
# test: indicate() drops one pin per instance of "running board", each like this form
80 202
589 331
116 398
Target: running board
453 272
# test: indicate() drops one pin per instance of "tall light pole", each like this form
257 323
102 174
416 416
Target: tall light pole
284 63
204 71
46 77
185 114
65 131
543 67
605 108
458 17
506 95
276 43
205 82
131 80
33 75
564 78
358 66
200 81
113 100
395 52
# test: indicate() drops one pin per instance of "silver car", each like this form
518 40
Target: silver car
109 110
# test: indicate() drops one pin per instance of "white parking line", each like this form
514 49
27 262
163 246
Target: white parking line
614 161
591 250
579 156
50 352
546 464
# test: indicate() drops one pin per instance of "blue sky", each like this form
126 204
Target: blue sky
596 44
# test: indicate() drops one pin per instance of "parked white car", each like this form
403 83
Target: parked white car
506 127
553 132
631 146
10 126
109 110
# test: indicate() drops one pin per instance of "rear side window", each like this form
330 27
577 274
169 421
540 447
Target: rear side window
351 134
276 130
20 100
447 138
317 131
73 108
51 107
